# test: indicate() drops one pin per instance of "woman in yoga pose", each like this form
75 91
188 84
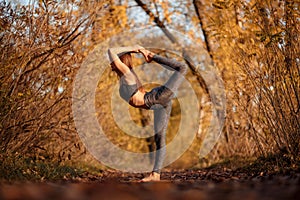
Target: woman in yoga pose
158 99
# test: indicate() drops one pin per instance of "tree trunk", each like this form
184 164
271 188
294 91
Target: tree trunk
199 6
171 37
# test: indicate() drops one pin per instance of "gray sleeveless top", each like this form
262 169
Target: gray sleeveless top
127 91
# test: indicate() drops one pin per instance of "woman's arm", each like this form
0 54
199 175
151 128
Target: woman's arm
124 69
113 52
114 58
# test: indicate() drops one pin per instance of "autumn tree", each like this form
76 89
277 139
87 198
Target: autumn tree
255 44
42 46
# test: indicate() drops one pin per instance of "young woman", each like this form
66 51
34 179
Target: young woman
158 99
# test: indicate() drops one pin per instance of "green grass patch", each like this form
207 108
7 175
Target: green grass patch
21 168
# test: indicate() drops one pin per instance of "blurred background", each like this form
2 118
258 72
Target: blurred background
253 44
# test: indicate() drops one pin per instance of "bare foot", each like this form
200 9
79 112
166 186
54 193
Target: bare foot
152 177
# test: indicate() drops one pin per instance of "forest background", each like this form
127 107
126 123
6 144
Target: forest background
253 44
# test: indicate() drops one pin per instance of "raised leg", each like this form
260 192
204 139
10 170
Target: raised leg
179 69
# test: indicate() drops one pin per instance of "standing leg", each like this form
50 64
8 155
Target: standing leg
161 119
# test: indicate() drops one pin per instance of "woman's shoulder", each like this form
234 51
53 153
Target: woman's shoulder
129 78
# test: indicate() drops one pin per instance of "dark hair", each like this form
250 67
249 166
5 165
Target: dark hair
126 59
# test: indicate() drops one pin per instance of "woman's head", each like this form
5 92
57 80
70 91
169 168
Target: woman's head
126 59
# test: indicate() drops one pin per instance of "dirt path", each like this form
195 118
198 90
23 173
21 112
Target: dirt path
188 184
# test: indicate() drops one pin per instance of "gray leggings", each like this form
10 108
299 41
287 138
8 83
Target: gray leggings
159 100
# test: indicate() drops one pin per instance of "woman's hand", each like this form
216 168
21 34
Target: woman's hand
147 54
